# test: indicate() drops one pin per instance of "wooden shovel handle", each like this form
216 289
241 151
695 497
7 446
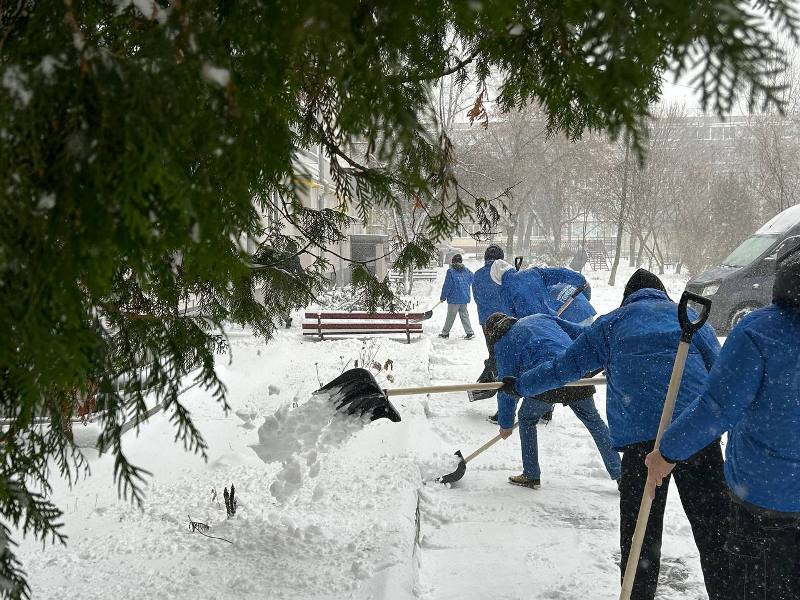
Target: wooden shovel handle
474 387
647 501
488 444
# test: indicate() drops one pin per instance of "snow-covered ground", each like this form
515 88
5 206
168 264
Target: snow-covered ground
342 509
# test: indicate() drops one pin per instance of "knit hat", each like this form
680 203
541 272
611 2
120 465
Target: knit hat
786 289
493 252
640 280
497 325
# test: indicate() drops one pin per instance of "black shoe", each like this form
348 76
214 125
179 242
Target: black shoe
444 335
469 336
523 481
493 419
547 417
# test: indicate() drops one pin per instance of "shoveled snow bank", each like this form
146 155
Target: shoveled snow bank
299 438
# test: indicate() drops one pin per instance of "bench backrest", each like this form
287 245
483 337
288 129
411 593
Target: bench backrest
368 316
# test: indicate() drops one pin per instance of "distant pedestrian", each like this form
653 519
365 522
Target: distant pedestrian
753 394
455 291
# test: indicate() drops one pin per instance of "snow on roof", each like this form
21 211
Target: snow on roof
782 222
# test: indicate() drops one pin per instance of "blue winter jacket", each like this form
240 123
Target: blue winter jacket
530 342
579 311
488 295
527 290
635 345
753 393
456 286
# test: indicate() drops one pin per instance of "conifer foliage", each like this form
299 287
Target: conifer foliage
140 142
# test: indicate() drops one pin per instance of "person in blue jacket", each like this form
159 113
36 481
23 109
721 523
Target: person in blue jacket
455 290
520 345
527 290
636 346
579 311
753 394
489 295
490 299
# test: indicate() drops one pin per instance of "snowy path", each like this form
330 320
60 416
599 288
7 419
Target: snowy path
344 520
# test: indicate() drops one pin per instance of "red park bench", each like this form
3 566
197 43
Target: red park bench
361 323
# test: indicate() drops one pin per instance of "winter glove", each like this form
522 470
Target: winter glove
510 387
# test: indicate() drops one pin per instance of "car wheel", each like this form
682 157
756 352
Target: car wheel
740 313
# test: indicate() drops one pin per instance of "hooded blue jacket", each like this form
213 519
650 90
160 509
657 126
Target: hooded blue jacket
530 341
577 312
527 290
753 393
456 286
636 345
488 295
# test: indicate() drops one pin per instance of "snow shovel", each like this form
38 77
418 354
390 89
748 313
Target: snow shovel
688 329
570 300
356 391
473 396
462 462
428 313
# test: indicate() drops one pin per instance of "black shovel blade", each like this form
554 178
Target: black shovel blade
424 316
356 392
458 473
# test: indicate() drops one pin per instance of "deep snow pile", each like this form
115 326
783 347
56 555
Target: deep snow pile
328 507
298 438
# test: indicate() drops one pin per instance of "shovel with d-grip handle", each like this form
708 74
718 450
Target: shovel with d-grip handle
688 329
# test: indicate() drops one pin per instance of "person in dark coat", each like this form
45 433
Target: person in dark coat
455 291
520 345
753 394
527 290
636 345
579 311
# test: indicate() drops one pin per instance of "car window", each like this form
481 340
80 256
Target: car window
749 250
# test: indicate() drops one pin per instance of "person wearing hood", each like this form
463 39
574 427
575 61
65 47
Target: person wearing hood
520 345
636 345
753 394
527 290
455 290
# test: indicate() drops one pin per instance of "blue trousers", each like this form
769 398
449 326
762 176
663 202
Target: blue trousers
532 410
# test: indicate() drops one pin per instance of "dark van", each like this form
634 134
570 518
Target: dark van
743 281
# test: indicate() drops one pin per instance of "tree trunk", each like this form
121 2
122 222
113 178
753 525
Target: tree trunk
526 240
632 250
522 224
620 218
642 244
510 241
557 241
